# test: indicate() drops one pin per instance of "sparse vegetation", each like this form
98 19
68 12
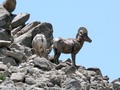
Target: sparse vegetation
2 76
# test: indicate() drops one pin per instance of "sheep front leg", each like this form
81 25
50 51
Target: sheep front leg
56 56
73 55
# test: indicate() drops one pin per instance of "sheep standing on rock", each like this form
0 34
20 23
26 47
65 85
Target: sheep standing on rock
39 44
70 45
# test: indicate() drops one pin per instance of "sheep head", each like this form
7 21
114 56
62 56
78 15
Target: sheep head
83 33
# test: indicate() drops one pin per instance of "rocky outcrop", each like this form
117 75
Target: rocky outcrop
41 74
5 18
20 69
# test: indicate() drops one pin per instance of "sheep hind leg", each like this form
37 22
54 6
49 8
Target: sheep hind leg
73 55
56 56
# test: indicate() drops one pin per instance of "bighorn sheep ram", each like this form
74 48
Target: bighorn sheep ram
39 44
70 45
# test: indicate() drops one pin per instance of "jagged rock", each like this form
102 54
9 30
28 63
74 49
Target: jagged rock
25 39
17 77
4 35
72 84
15 30
17 47
116 84
44 28
10 60
60 66
17 55
23 49
43 64
20 19
97 70
69 69
4 43
5 18
27 28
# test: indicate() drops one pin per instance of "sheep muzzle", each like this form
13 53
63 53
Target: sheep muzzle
86 38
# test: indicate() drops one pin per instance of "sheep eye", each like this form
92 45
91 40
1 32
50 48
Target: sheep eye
81 33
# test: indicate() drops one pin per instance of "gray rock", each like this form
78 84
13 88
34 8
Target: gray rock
60 66
15 30
4 35
17 55
17 77
95 69
72 84
36 71
44 28
56 80
3 67
68 69
20 19
16 46
4 43
10 60
5 18
53 88
29 80
27 28
13 69
116 84
43 64
20 86
11 87
25 39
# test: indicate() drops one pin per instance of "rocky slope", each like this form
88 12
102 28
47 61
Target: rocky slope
20 69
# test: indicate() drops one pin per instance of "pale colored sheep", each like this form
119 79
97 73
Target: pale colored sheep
39 44
70 45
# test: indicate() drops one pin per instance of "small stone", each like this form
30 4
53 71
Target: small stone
17 77
30 81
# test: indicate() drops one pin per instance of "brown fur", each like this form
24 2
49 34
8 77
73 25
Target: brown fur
70 45
9 5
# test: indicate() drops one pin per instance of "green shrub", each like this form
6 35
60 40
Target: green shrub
2 76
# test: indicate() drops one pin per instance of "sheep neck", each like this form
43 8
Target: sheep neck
80 40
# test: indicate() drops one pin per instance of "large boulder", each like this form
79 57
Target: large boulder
43 64
17 77
10 60
44 28
16 54
5 18
116 84
5 35
27 28
20 19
